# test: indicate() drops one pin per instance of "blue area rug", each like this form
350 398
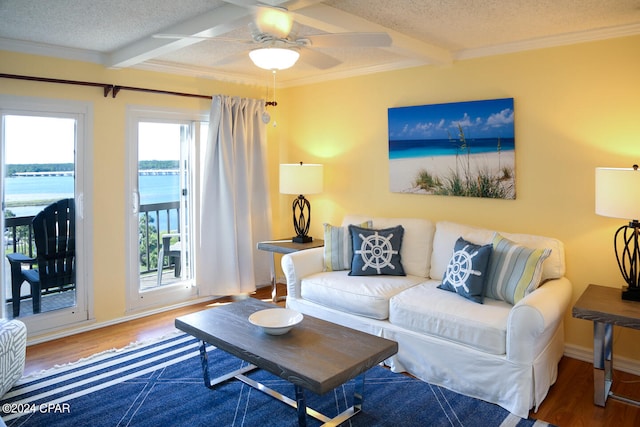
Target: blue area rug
160 384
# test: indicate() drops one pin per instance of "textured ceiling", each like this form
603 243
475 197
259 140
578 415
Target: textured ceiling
118 33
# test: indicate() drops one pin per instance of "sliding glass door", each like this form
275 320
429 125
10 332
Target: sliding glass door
43 145
161 185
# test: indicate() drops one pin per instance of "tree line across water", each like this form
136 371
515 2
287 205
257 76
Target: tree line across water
14 169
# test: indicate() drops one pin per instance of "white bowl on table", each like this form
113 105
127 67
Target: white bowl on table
276 321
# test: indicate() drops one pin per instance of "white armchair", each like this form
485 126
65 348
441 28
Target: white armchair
13 346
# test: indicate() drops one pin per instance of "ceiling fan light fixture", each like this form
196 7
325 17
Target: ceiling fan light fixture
274 58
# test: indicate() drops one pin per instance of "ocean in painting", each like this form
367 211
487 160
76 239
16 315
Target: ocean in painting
407 149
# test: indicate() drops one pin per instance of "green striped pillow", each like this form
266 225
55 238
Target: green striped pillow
338 249
514 270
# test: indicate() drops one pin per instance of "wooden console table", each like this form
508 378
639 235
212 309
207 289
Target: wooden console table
284 247
606 308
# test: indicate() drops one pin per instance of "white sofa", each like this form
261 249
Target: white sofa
499 352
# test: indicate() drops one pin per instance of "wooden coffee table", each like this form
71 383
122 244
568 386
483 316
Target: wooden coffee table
315 355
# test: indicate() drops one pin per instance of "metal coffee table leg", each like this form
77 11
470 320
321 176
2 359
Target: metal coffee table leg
299 404
204 360
358 399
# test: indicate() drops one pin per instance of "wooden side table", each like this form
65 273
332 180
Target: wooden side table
284 247
606 308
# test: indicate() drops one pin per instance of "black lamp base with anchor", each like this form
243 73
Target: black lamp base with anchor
301 221
628 256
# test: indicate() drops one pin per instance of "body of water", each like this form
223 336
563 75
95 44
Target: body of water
403 149
33 193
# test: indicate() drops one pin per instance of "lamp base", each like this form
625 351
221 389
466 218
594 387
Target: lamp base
630 293
302 239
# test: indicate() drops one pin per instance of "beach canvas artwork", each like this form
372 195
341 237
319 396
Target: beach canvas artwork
456 149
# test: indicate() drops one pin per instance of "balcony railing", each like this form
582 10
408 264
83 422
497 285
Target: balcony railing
18 235
154 220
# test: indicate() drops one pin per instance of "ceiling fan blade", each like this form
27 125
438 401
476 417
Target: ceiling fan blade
318 60
188 37
350 40
176 36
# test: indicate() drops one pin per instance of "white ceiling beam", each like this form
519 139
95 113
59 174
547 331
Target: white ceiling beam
290 5
252 3
334 20
213 23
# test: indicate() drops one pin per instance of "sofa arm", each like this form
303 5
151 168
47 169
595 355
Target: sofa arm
534 319
13 346
300 264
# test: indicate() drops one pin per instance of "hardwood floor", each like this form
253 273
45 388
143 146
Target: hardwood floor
568 404
570 400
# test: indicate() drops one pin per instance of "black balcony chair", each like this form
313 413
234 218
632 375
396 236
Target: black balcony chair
173 252
54 230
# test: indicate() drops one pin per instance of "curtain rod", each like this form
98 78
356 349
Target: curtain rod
113 89
106 87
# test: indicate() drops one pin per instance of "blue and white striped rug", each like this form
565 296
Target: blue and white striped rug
160 384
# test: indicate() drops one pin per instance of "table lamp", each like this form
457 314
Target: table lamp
300 179
618 196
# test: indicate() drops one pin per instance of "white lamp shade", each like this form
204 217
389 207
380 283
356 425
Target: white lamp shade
299 178
618 192
274 58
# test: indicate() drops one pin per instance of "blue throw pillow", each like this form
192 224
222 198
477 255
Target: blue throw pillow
467 270
376 252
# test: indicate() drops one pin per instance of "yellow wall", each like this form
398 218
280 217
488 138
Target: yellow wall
576 108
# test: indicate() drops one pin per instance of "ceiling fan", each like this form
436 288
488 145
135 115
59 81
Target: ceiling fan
277 46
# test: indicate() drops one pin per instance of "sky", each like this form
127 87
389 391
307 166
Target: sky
159 141
31 139
479 119
38 140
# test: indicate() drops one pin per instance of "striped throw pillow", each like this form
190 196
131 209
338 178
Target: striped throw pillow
338 249
514 270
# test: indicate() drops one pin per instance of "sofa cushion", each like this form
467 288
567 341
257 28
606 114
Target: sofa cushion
338 249
376 252
447 233
427 309
360 295
416 243
467 270
514 270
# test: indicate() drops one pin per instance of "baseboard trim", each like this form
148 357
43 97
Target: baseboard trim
97 325
586 354
92 325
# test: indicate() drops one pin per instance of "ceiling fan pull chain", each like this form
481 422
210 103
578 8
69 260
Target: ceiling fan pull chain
274 88
266 117
275 103
272 103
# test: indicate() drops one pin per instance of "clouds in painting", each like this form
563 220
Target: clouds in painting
479 119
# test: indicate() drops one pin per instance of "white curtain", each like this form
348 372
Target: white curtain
235 209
